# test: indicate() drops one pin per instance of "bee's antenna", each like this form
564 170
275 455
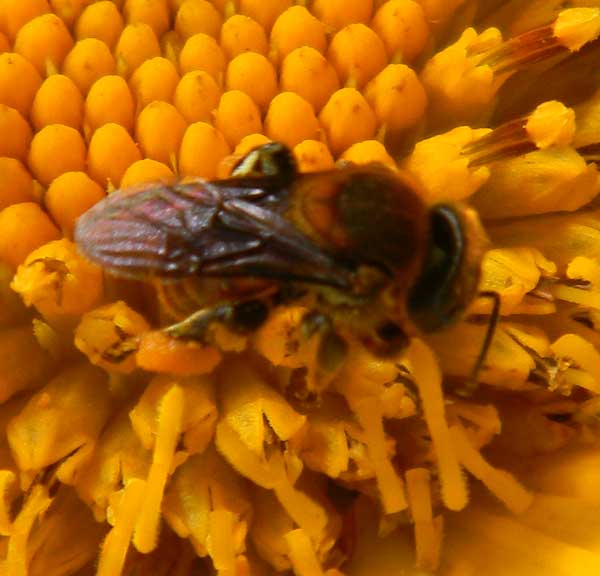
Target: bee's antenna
471 384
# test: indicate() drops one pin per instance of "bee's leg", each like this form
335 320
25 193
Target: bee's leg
272 159
332 350
241 317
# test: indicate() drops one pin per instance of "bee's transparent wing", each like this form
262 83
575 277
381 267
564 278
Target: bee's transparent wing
206 229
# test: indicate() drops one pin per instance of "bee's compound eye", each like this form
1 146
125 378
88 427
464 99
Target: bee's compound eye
443 291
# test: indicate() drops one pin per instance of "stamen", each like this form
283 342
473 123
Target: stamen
462 81
572 29
220 543
428 377
167 435
302 554
16 555
577 26
369 412
550 124
502 484
116 544
523 50
305 511
427 538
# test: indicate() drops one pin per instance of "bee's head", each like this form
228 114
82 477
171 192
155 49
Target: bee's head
450 276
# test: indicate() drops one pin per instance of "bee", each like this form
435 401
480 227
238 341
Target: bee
357 246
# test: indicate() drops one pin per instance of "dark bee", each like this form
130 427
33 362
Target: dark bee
357 246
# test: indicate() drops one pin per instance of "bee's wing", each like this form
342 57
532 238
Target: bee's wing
202 229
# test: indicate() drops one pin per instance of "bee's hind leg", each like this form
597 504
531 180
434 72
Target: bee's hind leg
241 317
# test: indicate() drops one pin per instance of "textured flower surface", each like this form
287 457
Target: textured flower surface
124 451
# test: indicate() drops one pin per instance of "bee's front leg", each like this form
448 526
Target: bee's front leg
240 317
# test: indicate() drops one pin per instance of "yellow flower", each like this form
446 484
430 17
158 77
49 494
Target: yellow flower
125 451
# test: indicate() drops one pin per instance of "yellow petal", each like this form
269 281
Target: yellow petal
552 180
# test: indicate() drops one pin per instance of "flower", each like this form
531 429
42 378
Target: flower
126 451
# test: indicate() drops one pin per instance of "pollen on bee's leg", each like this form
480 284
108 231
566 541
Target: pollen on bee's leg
502 484
167 435
159 353
428 539
427 375
115 546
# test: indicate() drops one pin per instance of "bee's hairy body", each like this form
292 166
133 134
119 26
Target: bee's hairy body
357 247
